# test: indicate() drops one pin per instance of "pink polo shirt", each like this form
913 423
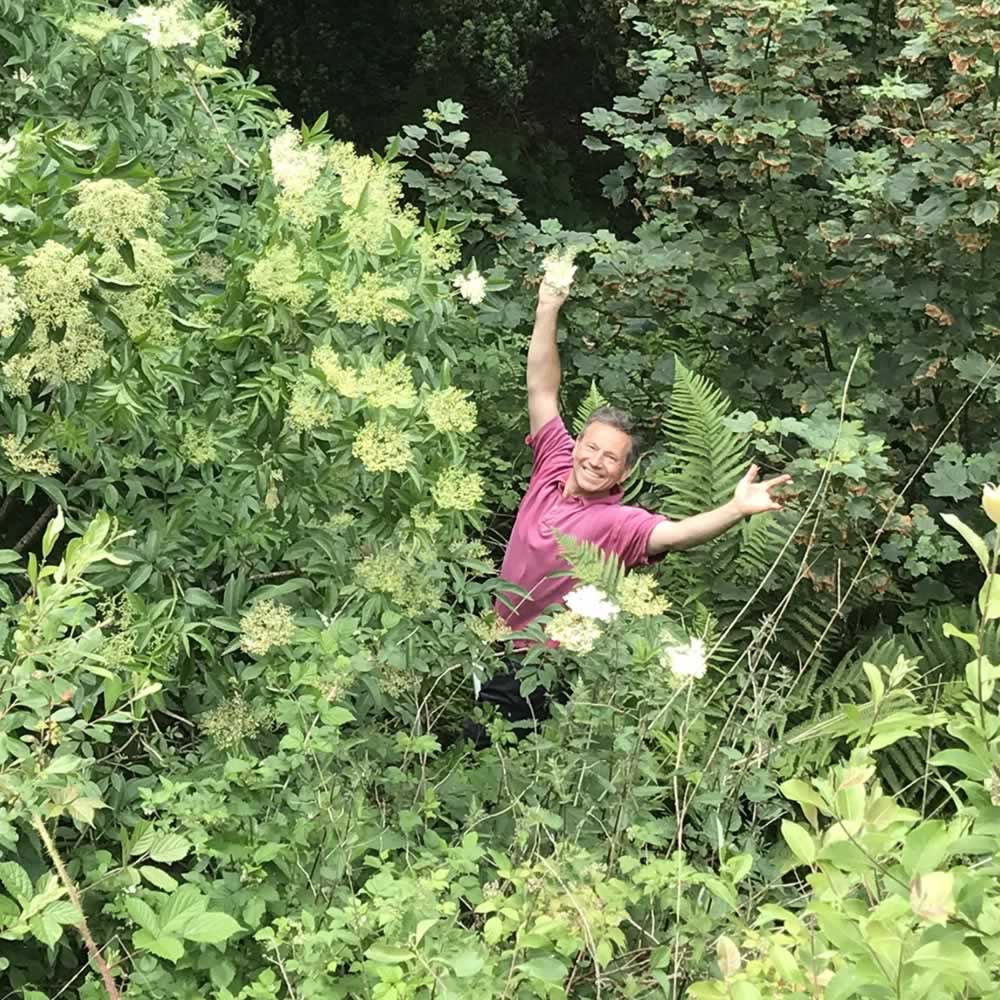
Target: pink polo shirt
533 552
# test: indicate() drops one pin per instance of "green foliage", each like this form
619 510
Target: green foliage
246 465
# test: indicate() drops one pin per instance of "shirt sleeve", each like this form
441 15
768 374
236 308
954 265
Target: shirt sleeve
631 535
552 446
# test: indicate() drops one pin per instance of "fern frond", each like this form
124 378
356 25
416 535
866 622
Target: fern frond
592 401
707 458
589 563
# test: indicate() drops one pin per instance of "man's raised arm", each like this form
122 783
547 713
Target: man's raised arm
543 359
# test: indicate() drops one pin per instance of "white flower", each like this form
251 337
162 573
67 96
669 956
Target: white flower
559 270
166 27
573 632
592 603
296 169
471 286
685 662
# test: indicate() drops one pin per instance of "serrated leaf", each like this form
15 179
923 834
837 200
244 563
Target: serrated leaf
142 913
165 946
15 880
158 877
210 928
168 848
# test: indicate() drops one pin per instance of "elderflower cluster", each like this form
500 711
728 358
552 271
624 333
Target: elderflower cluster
113 212
490 628
388 385
685 662
166 26
366 226
449 410
212 267
637 596
265 626
198 447
94 26
233 721
295 169
428 523
367 302
342 378
559 270
391 573
471 286
382 448
573 631
73 359
456 489
28 461
53 285
277 277
590 602
306 411
439 250
12 307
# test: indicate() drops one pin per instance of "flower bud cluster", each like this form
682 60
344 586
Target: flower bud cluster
265 626
113 212
382 448
456 489
448 410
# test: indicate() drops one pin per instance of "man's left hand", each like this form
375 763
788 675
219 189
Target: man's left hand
752 497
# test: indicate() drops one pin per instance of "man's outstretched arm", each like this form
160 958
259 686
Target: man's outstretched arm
750 497
543 359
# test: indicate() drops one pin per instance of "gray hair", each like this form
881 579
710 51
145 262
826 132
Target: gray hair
621 421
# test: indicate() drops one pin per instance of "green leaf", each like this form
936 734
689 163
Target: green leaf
975 542
168 848
142 913
799 840
547 969
989 597
15 880
158 877
211 928
166 947
387 955
466 963
926 846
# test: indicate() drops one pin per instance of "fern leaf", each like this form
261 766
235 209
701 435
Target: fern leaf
592 401
707 457
589 563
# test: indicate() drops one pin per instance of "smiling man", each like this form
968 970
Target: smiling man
575 489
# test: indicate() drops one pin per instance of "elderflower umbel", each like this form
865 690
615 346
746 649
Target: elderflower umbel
265 626
382 448
94 26
490 628
685 662
114 211
449 410
367 302
456 489
199 446
12 307
28 461
167 26
991 502
342 378
471 286
277 277
233 721
53 284
295 168
591 603
573 631
637 596
559 270
306 411
388 385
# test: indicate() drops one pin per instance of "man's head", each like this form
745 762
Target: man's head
604 452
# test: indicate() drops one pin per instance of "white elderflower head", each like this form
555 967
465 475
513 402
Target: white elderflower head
573 632
591 602
685 662
295 169
559 270
471 286
168 26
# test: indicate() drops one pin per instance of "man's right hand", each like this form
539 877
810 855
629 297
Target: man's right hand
550 298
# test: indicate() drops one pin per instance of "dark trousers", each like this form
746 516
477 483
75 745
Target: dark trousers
503 690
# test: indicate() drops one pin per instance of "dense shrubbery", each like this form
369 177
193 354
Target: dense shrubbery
261 435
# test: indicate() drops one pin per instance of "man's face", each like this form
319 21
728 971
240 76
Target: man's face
599 460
